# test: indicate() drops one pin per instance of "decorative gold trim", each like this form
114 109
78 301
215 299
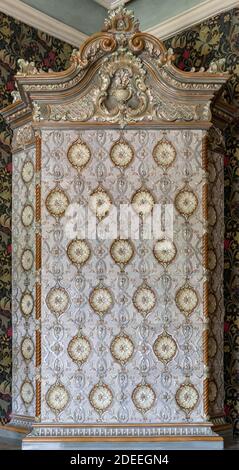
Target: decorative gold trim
38 300
38 348
38 153
205 153
38 251
38 398
38 202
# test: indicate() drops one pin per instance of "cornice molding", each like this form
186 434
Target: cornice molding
167 28
43 22
190 17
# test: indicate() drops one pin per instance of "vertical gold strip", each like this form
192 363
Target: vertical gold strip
38 273
38 398
38 348
205 335
38 202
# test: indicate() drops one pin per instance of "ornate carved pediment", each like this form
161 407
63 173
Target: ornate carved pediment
119 76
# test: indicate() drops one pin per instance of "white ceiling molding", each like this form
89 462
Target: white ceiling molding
167 28
43 22
111 4
190 17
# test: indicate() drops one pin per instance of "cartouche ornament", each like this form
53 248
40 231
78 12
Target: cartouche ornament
57 202
122 251
143 397
78 252
164 153
79 154
164 251
100 397
187 397
121 154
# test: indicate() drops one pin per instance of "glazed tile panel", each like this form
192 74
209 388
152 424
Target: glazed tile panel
122 320
23 279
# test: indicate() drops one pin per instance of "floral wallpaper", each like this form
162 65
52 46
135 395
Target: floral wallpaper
16 40
215 38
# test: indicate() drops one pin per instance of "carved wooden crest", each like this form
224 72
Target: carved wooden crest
120 76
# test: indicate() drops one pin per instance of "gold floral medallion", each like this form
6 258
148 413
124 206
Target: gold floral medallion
79 154
186 202
57 202
57 300
57 397
165 347
78 252
79 349
164 251
27 348
100 203
144 299
121 154
26 304
27 392
27 172
186 299
143 397
122 251
27 216
27 260
101 300
143 201
164 153
187 397
100 397
122 348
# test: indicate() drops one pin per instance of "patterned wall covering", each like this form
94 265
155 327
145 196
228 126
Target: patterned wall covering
16 40
122 320
23 292
217 37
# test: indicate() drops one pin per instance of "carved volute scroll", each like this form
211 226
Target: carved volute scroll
121 76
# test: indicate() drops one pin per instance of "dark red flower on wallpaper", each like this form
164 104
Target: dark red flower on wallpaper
227 244
10 85
9 248
226 327
226 410
49 60
8 167
181 65
226 160
9 332
186 54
